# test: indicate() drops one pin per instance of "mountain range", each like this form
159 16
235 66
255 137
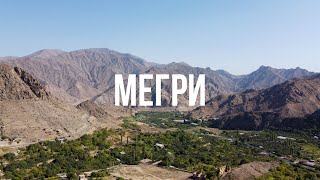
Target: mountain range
81 75
69 93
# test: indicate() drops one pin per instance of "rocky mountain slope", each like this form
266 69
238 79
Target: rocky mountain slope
215 84
17 84
256 109
79 75
30 113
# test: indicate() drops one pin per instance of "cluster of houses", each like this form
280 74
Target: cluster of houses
306 163
221 171
199 176
285 138
83 176
208 117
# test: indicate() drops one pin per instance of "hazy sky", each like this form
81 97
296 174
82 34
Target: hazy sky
234 35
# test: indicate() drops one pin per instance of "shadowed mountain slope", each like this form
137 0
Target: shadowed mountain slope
255 109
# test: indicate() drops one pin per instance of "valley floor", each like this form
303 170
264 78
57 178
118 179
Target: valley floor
175 146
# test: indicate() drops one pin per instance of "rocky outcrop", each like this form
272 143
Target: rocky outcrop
16 84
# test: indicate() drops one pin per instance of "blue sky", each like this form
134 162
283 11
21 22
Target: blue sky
234 35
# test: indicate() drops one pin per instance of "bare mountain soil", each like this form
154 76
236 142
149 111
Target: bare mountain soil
32 121
250 171
148 172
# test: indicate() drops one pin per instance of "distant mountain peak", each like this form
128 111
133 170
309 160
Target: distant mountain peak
94 50
263 67
179 64
45 53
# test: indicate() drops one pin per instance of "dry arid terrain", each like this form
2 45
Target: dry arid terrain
148 172
250 171
29 113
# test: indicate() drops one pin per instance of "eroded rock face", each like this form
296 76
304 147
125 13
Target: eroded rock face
36 87
16 84
93 109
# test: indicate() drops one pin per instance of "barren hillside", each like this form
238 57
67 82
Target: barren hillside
29 113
